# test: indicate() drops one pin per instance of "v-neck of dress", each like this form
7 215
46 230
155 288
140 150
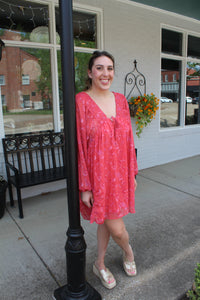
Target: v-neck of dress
99 108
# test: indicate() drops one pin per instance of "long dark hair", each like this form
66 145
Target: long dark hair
95 55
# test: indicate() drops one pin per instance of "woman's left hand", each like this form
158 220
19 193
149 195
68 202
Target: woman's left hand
135 184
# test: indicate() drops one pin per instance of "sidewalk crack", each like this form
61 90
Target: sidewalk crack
34 249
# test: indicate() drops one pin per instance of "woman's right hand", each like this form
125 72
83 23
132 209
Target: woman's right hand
87 198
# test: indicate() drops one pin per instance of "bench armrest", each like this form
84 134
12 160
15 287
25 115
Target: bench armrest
15 170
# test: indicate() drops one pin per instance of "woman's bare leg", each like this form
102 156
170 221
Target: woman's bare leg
103 237
118 231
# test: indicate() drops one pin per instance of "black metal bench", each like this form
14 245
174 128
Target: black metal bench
33 159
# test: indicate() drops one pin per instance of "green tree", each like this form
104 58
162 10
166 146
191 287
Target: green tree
195 68
44 83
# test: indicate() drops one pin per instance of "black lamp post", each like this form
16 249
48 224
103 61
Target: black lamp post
76 287
1 47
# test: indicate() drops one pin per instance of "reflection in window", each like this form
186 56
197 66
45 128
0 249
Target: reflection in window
3 100
2 80
170 93
84 28
28 107
80 64
26 101
192 103
174 77
188 98
193 46
22 20
25 80
171 42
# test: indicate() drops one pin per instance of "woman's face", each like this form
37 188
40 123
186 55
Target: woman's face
102 73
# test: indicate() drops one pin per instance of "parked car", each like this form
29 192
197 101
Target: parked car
195 100
165 99
188 99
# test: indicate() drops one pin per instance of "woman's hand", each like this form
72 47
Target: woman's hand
87 198
135 184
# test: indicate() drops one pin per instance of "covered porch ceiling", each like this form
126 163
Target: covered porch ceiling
188 8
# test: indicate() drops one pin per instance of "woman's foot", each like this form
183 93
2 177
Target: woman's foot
106 277
129 264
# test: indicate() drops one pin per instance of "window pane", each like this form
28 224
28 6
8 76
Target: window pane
80 64
25 80
170 93
192 103
193 46
171 42
2 80
27 108
22 20
84 27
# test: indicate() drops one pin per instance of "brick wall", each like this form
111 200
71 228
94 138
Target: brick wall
15 63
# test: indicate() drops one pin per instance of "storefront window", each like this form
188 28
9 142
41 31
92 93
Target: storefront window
24 21
84 29
192 103
193 46
171 42
85 36
80 65
180 92
28 86
27 90
170 93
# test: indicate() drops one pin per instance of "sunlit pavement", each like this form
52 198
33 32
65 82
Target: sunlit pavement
164 233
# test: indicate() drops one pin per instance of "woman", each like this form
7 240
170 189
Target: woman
106 162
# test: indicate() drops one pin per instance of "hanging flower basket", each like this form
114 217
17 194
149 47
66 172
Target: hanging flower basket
3 187
143 109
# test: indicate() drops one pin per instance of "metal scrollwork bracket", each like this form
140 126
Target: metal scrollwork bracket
135 83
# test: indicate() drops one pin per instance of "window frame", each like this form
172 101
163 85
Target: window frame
184 59
53 47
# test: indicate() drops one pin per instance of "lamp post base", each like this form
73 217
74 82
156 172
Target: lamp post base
89 293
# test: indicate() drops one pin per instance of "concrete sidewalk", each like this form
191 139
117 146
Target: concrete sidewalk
164 232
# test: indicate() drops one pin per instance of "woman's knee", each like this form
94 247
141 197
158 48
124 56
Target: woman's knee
116 228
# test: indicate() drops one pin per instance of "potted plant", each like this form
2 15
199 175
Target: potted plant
143 108
3 187
194 293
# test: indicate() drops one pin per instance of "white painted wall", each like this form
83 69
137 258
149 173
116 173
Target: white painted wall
132 31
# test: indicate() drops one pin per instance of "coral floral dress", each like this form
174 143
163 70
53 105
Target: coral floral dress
106 159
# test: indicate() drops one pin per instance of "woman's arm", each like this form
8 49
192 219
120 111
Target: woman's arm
81 128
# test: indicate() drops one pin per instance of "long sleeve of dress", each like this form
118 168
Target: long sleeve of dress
84 180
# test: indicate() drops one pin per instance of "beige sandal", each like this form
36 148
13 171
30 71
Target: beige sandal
129 266
106 277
